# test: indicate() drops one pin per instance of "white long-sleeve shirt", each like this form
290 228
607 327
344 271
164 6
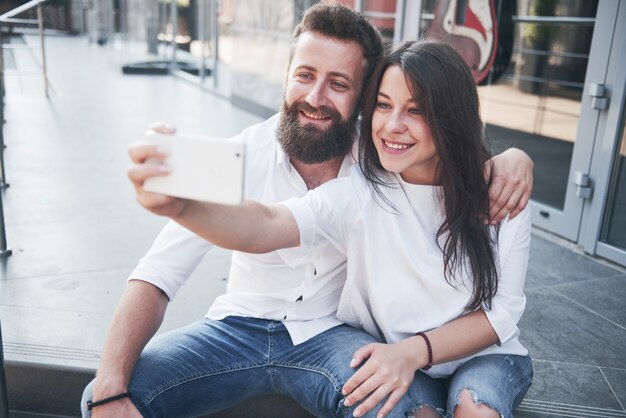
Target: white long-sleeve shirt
395 285
305 297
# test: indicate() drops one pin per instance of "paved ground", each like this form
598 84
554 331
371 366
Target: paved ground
76 233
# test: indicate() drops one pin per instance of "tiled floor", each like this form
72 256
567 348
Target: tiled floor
76 233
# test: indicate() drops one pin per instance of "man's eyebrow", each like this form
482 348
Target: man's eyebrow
306 67
332 73
342 75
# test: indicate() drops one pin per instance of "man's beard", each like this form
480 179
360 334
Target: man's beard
310 144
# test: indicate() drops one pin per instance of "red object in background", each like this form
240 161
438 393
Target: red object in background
470 27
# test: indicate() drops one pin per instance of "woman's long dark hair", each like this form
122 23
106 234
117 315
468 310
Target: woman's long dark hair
444 91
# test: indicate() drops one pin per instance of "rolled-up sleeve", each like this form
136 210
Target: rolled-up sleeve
509 303
305 219
174 255
322 216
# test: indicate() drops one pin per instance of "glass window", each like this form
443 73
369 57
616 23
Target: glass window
614 232
530 80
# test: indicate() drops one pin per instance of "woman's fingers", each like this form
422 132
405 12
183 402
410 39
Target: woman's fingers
363 373
391 403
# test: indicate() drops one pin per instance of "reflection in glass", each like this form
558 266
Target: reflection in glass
615 221
382 15
531 96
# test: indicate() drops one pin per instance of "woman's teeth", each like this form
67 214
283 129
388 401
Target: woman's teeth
397 146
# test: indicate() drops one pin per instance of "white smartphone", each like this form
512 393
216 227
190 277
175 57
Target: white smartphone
206 169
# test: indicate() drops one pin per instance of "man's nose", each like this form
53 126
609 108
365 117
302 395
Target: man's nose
317 96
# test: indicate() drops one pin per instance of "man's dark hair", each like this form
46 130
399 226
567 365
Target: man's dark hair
340 22
444 91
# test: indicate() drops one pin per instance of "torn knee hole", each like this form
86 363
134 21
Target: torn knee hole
424 411
469 406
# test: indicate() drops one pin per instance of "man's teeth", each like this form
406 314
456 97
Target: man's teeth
313 116
397 146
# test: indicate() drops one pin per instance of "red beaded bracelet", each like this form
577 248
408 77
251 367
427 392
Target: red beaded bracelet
430 350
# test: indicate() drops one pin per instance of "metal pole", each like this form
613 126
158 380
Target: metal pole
4 398
2 177
3 174
1 75
43 47
4 251
202 37
174 17
215 35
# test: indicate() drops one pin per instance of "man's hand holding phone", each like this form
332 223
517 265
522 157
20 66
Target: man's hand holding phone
166 170
146 163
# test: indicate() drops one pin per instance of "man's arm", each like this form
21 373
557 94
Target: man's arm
250 227
511 177
137 317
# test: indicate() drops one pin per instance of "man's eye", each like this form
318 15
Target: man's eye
339 86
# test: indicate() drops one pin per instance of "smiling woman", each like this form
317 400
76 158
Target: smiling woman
401 133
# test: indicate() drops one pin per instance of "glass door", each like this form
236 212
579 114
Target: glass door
541 72
603 229
613 235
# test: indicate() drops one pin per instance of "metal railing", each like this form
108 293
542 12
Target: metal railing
10 18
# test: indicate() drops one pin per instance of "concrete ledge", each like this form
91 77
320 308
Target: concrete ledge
37 390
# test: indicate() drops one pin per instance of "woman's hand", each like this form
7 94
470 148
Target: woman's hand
146 161
388 371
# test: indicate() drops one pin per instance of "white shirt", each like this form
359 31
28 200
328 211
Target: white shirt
305 298
395 285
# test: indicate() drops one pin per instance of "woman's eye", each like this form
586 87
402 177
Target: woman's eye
382 105
415 111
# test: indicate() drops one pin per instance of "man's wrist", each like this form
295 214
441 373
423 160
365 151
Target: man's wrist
103 401
105 386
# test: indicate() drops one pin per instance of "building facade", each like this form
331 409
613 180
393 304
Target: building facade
551 79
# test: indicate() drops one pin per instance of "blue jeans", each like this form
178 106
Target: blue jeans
498 381
212 365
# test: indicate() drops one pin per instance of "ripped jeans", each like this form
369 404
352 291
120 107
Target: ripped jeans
499 381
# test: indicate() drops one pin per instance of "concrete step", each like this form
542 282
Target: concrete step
44 390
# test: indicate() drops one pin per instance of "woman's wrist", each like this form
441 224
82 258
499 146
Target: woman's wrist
419 352
429 349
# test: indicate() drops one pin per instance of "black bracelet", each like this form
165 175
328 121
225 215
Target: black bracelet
91 404
430 350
